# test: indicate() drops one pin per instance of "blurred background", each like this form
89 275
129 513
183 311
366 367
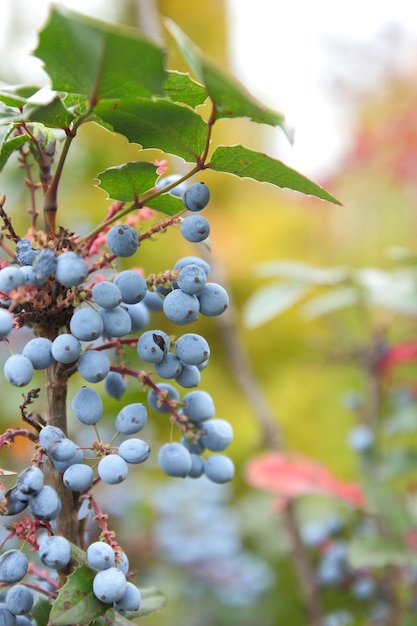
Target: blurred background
344 76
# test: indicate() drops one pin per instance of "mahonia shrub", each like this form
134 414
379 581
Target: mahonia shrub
86 318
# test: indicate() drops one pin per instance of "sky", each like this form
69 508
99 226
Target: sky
284 52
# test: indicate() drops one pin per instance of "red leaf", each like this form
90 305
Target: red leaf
401 353
289 476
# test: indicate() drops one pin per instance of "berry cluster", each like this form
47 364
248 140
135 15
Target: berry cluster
84 322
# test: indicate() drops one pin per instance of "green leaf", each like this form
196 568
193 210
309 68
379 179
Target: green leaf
398 462
247 163
8 146
387 506
181 87
76 602
334 300
301 271
17 95
127 182
230 98
99 60
270 301
166 203
157 123
379 551
41 611
53 114
152 600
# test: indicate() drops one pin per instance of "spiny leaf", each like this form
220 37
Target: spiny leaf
181 87
17 95
157 123
76 602
230 98
99 60
9 146
247 163
128 181
54 114
41 611
166 203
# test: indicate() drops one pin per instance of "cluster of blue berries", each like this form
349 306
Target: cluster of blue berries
78 318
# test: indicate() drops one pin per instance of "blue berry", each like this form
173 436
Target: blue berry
168 391
197 466
61 449
25 254
55 552
45 504
169 367
122 563
39 352
153 345
131 599
15 501
116 321
217 435
198 406
174 460
62 466
194 260
115 385
30 480
132 286
153 300
189 376
71 269
6 323
192 349
122 240
11 278
93 366
195 228
13 566
192 279
219 468
7 618
196 197
134 450
139 315
44 265
87 406
106 294
181 308
19 599
109 585
214 300
65 348
131 419
78 477
50 433
112 469
178 191
361 438
86 324
18 370
100 555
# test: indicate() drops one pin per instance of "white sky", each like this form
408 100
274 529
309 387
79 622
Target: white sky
282 51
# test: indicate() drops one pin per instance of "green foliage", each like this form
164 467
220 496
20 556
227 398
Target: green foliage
99 61
142 100
246 163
